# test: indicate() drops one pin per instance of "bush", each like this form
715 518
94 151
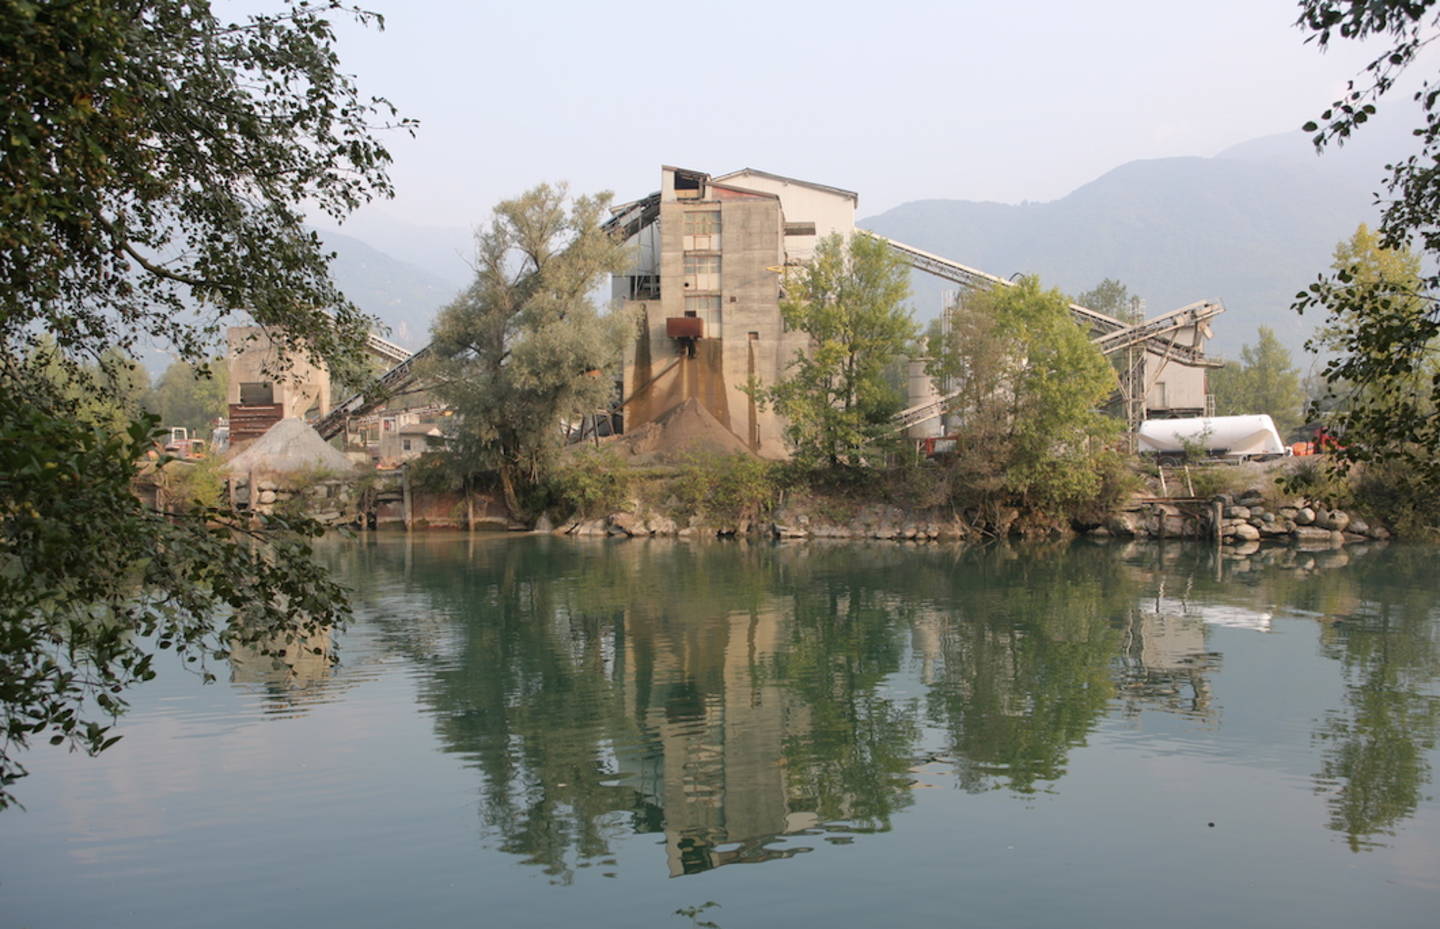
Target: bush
1400 498
194 485
1315 478
591 483
1213 480
730 488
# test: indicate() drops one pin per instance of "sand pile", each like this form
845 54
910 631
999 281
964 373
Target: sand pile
289 447
682 432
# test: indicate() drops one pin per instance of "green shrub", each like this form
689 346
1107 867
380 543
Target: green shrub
1399 498
195 484
1315 478
591 483
729 488
1210 480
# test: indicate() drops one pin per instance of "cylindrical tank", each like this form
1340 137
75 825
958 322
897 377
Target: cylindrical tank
920 388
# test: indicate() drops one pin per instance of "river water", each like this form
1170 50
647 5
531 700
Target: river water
542 732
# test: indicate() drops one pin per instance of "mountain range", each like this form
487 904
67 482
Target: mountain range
1250 227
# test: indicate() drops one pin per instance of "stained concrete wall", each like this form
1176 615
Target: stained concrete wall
252 358
744 339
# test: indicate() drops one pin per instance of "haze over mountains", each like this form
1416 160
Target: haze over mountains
1249 226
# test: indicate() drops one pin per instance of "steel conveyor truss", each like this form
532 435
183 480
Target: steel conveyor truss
1112 334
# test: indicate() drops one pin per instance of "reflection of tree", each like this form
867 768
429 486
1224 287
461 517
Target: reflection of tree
1375 767
851 764
1377 610
602 690
1026 663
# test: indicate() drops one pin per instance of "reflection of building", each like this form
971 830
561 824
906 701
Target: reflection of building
304 669
718 768
1166 664
705 288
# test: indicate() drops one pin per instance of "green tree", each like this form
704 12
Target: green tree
850 301
1385 331
156 165
1028 385
106 394
189 395
1113 298
524 347
1264 382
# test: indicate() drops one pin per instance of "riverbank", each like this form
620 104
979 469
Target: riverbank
1236 506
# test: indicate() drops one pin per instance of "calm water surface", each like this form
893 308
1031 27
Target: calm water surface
537 732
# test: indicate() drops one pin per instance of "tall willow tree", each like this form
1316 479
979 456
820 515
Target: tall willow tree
1385 330
1264 382
524 347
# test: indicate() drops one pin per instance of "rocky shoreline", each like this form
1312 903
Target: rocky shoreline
1241 522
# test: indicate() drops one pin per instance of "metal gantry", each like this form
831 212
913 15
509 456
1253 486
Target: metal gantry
1110 335
1114 334
384 387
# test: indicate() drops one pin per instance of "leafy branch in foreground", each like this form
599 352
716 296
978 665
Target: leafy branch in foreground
157 166
1385 328
93 582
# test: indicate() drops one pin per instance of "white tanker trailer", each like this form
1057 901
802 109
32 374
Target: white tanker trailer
1235 437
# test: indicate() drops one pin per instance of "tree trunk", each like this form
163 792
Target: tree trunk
507 486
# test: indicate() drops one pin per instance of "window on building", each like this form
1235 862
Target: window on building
405 445
643 287
799 228
257 392
688 186
702 272
706 308
702 231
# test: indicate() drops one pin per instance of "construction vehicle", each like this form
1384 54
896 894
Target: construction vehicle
181 445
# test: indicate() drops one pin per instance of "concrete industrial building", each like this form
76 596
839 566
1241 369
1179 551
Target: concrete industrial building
710 256
266 385
705 291
709 261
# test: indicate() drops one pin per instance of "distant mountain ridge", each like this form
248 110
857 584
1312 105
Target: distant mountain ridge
1250 227
403 296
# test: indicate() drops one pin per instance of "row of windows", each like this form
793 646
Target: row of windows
702 231
702 272
702 222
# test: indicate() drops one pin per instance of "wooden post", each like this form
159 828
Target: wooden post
1217 515
469 506
405 494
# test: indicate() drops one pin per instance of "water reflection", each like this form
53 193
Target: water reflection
747 702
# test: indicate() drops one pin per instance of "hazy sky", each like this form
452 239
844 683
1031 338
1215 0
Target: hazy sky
1022 100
